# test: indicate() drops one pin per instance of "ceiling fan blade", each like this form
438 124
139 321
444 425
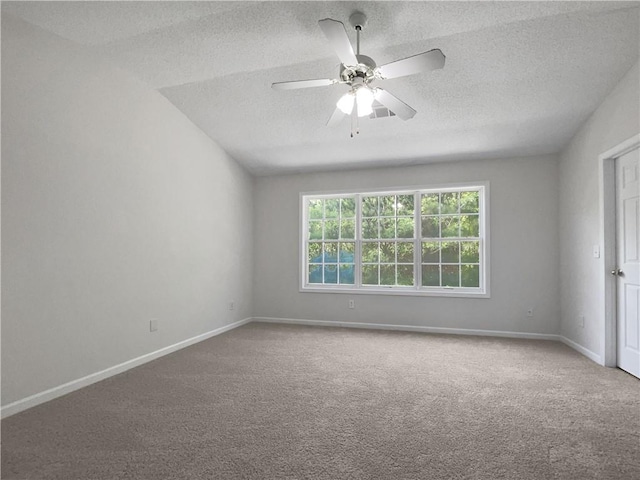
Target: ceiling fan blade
336 116
337 36
423 62
323 82
393 103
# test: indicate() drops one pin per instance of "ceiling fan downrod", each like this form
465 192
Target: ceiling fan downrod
358 20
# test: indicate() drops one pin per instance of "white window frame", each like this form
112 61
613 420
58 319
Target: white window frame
416 290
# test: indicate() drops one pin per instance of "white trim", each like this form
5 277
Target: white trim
60 390
457 292
410 328
622 148
454 331
440 187
584 351
55 392
606 165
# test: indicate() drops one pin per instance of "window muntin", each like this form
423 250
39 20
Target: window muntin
428 241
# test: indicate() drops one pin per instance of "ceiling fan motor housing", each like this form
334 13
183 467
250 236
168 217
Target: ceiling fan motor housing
365 69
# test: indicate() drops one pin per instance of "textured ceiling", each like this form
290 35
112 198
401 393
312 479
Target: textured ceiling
519 79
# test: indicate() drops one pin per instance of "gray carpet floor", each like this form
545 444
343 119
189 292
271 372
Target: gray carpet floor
292 402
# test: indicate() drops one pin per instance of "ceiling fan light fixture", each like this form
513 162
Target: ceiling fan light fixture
345 104
364 101
359 71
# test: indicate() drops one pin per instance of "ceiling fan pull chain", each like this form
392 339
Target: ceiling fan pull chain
353 116
355 122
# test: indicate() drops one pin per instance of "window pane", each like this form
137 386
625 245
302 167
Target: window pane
315 273
387 252
370 274
387 228
315 208
387 274
470 252
369 206
347 208
331 229
347 250
346 274
469 202
450 226
315 252
430 227
331 207
470 276
370 228
348 229
370 252
431 275
449 202
388 205
405 252
451 252
405 227
405 275
469 226
430 204
331 252
431 252
405 205
450 275
315 230
331 273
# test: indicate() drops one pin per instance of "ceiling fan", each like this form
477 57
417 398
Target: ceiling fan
359 72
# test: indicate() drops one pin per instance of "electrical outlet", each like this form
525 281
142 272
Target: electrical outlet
153 325
352 303
581 321
232 305
530 312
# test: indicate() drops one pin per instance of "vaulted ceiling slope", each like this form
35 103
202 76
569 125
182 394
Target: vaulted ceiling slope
519 79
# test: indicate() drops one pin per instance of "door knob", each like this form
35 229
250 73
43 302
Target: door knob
617 272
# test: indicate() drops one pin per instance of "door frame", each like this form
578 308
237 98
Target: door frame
608 242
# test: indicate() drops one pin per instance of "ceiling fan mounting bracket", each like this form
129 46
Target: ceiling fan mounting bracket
358 20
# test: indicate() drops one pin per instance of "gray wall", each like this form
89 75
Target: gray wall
524 252
116 210
615 120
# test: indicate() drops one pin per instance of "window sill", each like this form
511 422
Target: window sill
409 292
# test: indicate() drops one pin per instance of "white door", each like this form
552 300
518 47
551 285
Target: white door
628 258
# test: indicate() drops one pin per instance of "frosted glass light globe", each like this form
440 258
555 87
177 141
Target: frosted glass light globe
364 100
345 104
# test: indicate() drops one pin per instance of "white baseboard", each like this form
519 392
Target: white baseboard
55 392
411 328
584 351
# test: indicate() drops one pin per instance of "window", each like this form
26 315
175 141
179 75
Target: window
412 242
